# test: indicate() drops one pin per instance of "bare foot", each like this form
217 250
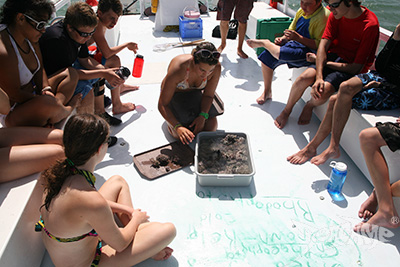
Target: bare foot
254 43
163 254
127 87
368 208
305 116
242 54
221 48
264 97
282 119
124 107
380 219
302 156
325 155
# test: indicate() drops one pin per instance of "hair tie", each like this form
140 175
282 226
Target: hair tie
70 163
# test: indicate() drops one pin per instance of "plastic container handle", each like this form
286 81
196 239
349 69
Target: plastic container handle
225 177
332 164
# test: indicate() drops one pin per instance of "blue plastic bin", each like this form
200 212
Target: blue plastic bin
190 28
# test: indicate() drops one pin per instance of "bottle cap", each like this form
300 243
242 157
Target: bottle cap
139 56
340 166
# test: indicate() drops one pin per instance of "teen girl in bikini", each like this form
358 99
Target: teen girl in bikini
72 206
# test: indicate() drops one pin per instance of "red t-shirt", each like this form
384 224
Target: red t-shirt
354 40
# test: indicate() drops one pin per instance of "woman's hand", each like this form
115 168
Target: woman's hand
140 216
198 124
311 57
185 135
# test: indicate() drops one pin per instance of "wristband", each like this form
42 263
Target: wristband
47 88
205 115
177 125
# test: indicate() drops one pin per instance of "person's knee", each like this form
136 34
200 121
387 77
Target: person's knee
348 89
169 229
332 101
113 62
118 179
368 136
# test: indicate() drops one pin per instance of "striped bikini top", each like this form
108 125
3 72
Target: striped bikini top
184 85
39 226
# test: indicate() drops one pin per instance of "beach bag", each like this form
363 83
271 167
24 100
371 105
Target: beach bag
232 31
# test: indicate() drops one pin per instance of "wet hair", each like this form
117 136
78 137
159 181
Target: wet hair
199 59
32 8
80 14
83 136
347 2
114 5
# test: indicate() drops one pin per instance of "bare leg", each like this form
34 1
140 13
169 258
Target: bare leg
323 131
28 150
127 87
268 74
224 26
151 240
299 86
371 141
267 44
241 34
341 114
305 116
64 84
118 106
87 104
116 189
41 111
211 125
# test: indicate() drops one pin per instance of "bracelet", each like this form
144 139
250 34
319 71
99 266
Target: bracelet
205 115
47 88
177 125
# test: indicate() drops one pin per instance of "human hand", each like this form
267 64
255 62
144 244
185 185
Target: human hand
279 41
317 89
198 124
132 46
372 84
185 135
113 78
140 216
291 35
311 57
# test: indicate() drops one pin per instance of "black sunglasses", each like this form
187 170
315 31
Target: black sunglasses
40 25
205 53
335 5
84 34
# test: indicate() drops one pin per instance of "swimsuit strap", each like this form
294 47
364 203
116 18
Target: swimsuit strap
87 174
40 226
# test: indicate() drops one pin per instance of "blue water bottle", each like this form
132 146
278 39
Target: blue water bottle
338 176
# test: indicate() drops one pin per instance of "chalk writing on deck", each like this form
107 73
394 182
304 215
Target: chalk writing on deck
277 231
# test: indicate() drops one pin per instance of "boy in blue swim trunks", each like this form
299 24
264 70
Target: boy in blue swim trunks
64 45
108 12
302 36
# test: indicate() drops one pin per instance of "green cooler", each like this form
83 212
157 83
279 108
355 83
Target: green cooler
270 29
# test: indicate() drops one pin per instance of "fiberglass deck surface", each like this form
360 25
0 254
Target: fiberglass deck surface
284 218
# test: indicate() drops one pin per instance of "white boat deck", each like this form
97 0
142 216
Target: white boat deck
284 218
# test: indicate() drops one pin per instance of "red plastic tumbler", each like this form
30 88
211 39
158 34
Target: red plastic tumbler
138 66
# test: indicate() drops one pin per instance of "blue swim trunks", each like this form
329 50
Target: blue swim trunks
380 98
292 53
83 86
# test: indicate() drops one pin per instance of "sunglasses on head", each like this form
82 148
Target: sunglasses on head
84 34
205 53
40 25
335 5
